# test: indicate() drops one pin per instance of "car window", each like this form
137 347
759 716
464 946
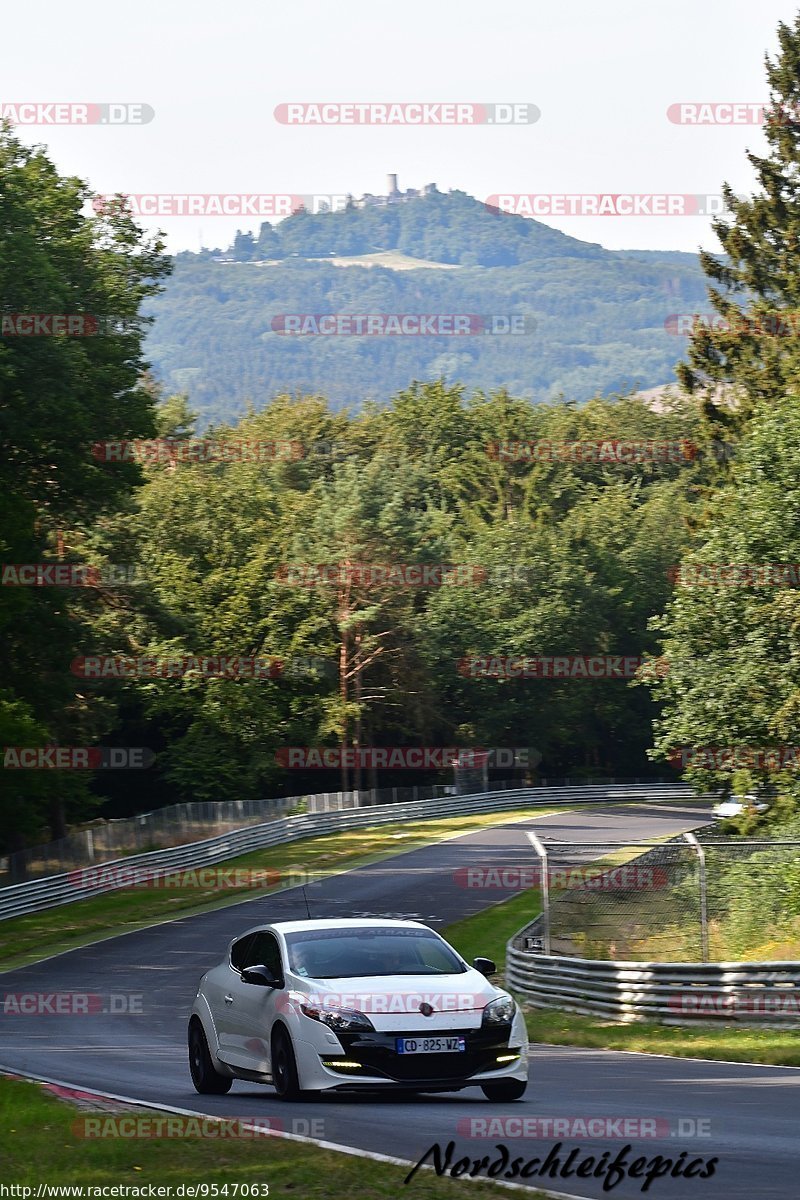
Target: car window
435 955
239 951
265 951
349 953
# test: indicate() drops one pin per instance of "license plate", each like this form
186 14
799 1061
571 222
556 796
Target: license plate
430 1045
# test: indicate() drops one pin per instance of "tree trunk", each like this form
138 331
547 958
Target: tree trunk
357 688
344 663
58 824
343 697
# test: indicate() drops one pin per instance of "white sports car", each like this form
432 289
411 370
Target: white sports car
734 806
335 1005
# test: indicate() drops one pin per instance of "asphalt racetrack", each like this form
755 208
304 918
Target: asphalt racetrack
746 1115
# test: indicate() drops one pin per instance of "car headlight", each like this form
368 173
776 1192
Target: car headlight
500 1011
341 1020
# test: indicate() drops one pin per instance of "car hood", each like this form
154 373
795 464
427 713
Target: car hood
401 1002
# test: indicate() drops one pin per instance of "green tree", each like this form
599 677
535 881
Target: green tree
269 243
755 288
732 647
61 394
369 515
568 558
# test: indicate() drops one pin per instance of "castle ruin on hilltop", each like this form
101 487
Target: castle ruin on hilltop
394 195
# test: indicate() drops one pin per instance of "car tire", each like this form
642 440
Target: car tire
206 1079
505 1089
285 1078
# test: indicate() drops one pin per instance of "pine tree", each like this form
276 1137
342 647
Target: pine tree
756 288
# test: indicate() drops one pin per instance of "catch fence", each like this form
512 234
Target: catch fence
694 898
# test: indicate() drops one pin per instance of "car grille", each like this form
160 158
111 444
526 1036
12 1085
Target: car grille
376 1052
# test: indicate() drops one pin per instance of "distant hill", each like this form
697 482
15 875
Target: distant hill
595 318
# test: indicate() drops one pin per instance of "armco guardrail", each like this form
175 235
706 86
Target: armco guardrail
667 993
54 890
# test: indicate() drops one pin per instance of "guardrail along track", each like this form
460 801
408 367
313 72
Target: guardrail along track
667 993
38 894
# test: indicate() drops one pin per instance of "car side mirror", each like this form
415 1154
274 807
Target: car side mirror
260 976
485 965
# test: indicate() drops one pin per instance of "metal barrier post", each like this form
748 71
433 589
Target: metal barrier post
542 853
701 863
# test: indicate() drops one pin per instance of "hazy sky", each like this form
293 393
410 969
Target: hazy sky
603 75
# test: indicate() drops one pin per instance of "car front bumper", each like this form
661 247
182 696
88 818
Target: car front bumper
370 1060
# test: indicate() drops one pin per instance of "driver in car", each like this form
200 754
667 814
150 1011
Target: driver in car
395 960
302 960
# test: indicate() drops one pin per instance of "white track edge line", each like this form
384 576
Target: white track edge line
727 1062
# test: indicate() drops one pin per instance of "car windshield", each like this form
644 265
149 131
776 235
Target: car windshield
354 953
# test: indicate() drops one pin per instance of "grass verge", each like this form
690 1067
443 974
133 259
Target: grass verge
733 1043
38 935
488 931
40 1146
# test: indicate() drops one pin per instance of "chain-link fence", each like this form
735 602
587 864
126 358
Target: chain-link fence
175 825
694 898
101 841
